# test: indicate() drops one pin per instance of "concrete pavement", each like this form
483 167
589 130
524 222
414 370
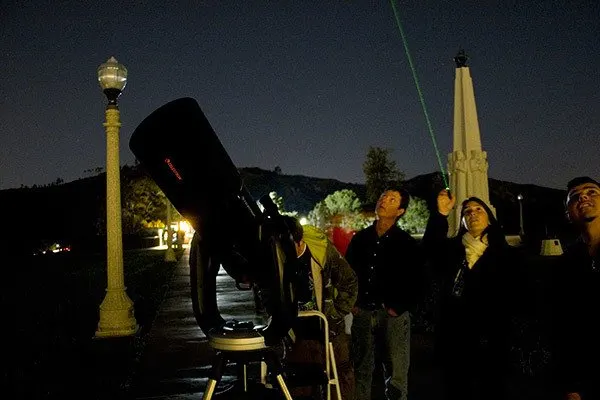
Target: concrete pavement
177 358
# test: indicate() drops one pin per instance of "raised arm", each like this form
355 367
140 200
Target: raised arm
435 239
437 224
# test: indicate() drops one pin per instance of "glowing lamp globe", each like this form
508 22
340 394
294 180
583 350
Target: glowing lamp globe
112 77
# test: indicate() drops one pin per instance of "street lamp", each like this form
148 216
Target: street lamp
169 254
521 230
116 310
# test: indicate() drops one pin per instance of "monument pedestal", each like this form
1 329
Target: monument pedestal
467 164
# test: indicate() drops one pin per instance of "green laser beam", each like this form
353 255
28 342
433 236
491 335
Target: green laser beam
421 98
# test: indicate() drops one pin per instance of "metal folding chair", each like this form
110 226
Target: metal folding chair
330 364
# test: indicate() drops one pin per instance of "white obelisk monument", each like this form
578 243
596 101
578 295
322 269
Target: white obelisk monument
467 164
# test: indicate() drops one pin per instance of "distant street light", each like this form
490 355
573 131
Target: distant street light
521 230
116 310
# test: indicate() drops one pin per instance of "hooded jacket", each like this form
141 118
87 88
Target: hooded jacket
336 285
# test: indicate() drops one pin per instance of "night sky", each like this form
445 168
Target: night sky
305 85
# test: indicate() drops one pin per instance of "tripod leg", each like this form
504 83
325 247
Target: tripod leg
210 389
215 376
243 375
278 369
283 387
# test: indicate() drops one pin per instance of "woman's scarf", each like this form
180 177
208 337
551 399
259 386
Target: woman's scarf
474 247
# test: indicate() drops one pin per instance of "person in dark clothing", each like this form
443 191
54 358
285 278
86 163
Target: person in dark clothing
478 269
389 266
577 287
326 283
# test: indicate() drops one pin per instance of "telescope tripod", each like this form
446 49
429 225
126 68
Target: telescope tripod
242 343
242 358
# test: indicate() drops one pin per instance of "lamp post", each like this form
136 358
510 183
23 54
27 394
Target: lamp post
116 310
169 254
521 230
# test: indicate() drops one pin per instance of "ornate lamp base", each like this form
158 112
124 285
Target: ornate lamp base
116 315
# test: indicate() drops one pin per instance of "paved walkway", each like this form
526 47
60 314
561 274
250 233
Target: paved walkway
177 358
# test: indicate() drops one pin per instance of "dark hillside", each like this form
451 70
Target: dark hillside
75 211
299 192
53 212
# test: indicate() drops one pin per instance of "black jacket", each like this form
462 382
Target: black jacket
491 289
390 269
576 290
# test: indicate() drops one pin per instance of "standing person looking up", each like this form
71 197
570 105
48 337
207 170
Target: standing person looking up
388 263
577 287
477 269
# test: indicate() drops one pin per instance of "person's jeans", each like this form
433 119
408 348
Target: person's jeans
390 336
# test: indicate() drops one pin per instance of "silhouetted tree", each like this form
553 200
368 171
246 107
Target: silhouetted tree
380 172
143 202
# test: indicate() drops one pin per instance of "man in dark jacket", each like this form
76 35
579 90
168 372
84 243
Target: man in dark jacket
389 266
577 286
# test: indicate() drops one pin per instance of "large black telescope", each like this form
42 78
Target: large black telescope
179 149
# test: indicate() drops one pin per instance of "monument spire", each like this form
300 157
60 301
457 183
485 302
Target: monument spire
467 164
